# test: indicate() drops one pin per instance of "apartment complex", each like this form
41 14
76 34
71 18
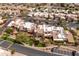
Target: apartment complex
56 33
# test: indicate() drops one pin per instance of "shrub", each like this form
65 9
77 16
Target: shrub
41 45
9 30
12 51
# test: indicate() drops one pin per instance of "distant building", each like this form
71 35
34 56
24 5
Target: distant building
58 34
29 26
69 37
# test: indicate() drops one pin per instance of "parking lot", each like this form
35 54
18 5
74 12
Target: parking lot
65 52
5 44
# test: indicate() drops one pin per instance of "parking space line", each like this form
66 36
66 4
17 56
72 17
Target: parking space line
2 41
9 45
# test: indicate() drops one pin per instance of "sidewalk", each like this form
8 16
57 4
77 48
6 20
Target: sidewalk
4 52
45 49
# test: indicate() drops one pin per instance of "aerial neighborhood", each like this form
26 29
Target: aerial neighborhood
41 26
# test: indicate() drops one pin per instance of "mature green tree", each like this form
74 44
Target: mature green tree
23 38
41 45
31 41
9 30
5 36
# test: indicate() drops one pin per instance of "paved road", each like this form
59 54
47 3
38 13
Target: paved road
5 26
33 52
74 25
77 54
62 52
27 51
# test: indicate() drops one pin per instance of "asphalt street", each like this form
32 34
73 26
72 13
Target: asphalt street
5 26
26 50
29 51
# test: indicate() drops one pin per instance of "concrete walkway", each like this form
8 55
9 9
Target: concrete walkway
4 52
